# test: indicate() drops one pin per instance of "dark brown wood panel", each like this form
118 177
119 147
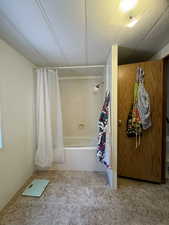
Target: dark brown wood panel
145 162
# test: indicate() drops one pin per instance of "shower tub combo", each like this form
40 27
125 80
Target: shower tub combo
78 157
81 107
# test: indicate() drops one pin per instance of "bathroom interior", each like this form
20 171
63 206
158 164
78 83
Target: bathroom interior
84 113
75 105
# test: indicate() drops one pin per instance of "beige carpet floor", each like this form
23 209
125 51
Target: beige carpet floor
84 198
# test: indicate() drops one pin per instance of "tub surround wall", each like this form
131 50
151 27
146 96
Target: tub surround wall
81 109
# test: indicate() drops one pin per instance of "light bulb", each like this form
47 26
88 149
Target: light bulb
132 22
127 5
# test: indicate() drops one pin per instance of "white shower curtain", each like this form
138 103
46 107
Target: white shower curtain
50 147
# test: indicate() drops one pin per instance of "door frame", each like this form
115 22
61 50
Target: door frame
165 62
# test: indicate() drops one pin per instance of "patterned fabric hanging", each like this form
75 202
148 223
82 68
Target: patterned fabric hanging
103 123
134 126
139 114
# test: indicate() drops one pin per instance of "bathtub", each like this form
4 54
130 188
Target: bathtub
80 142
82 158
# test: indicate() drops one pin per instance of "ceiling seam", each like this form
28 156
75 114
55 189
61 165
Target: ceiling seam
155 23
20 52
49 25
152 27
34 49
86 32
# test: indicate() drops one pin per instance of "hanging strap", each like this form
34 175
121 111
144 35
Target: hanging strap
139 80
140 75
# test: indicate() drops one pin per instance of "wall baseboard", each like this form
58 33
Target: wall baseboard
15 196
112 178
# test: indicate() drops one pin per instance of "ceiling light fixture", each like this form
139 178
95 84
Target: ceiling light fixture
133 22
127 5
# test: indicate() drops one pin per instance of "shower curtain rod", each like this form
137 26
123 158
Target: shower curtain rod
72 67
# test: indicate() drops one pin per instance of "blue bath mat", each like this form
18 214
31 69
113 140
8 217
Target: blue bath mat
36 188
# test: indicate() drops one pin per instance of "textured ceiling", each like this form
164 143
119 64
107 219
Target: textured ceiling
81 32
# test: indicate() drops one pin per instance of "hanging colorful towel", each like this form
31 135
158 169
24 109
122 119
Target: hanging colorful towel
134 126
103 123
144 103
139 115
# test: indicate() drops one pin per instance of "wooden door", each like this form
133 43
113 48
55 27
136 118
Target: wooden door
147 161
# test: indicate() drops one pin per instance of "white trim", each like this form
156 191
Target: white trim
77 137
1 129
72 67
86 31
90 148
76 67
109 173
1 119
111 76
114 109
81 78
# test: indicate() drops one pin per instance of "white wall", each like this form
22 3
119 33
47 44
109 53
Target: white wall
162 53
16 157
111 84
